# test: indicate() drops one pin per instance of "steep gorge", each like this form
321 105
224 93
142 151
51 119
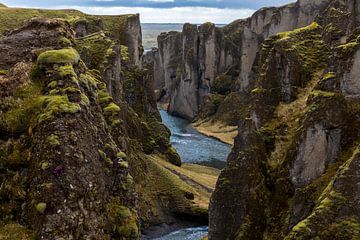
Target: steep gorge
84 155
288 78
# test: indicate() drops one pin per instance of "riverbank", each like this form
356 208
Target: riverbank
189 186
217 130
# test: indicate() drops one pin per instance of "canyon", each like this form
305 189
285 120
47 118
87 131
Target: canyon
84 153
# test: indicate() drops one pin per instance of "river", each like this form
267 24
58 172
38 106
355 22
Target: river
193 147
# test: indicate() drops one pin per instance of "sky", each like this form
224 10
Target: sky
160 11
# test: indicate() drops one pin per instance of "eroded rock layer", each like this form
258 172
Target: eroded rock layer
292 172
83 152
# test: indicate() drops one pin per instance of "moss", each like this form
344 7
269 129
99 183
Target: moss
88 81
66 70
44 165
329 75
324 94
104 97
124 220
53 84
85 100
53 140
121 155
257 90
124 165
15 231
3 72
40 207
348 47
124 52
62 56
96 48
23 115
112 108
55 105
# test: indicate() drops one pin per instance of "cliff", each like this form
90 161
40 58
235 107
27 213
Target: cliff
83 152
292 173
205 61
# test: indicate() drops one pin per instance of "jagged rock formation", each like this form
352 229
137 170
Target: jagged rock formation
293 171
83 152
197 60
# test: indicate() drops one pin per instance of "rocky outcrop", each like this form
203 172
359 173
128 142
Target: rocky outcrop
208 52
23 44
299 137
83 152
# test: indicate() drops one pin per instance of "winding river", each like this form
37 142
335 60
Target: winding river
193 147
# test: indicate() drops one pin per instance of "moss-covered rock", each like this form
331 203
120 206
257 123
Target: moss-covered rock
62 56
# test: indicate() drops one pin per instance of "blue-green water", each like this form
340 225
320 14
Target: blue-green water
192 146
186 234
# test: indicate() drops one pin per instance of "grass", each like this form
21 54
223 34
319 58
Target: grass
188 178
217 130
12 18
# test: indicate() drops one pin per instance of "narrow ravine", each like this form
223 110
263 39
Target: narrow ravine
193 147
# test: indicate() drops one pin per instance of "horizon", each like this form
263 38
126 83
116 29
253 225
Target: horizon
160 11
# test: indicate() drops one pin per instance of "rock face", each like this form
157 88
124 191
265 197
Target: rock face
83 152
193 59
298 140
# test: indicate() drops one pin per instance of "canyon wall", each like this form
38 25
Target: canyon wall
193 59
83 152
292 173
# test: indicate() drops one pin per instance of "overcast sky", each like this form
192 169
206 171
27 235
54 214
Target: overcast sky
162 11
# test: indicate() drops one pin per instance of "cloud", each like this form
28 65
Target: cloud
172 15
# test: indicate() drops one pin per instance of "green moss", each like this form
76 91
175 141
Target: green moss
55 105
124 165
53 84
88 81
257 91
53 140
66 70
307 44
112 108
40 207
3 72
14 231
348 47
318 93
104 97
124 52
328 76
44 165
23 115
85 100
62 56
121 155
98 48
124 220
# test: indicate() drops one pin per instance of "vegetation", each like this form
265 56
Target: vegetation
62 56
